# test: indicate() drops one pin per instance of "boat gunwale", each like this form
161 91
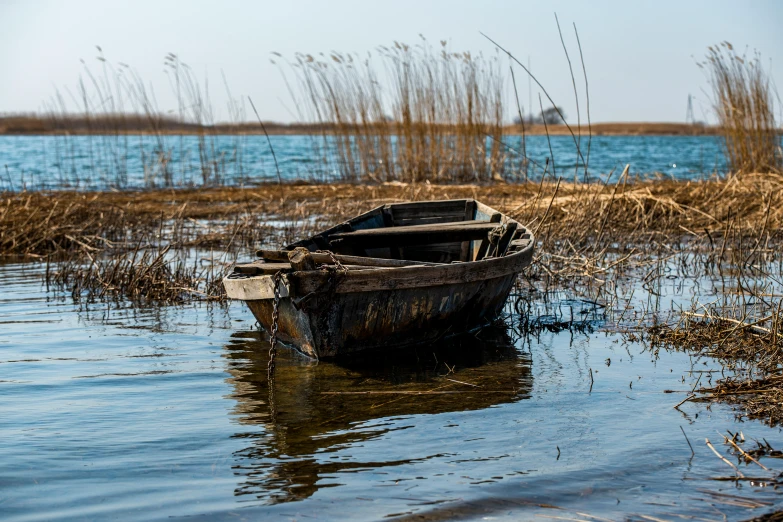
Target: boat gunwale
302 283
410 276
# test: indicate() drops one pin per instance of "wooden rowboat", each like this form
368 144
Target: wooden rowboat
398 275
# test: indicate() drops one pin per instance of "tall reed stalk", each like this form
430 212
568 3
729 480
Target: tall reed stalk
744 104
422 114
114 103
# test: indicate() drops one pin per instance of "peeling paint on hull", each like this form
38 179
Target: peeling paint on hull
337 324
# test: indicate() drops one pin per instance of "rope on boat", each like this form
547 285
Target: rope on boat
494 239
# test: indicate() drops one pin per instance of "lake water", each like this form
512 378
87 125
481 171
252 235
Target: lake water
110 411
96 162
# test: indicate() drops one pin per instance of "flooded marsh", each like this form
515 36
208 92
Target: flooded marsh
562 409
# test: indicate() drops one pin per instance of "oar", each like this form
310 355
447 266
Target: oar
329 259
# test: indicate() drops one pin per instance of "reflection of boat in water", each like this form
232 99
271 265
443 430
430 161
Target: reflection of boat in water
317 408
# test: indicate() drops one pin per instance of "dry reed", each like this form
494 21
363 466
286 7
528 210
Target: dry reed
440 117
744 105
142 275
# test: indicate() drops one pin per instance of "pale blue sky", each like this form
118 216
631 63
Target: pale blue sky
640 57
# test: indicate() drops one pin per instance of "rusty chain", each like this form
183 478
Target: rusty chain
338 265
270 367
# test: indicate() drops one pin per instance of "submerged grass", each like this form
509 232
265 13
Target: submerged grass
142 275
742 327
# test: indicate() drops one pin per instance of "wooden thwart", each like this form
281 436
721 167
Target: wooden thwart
415 234
324 258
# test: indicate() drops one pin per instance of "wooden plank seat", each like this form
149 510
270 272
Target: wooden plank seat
329 258
415 234
258 268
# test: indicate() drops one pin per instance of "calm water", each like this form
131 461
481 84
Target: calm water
94 162
109 411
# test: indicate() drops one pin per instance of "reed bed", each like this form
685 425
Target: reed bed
743 99
118 114
422 114
584 215
142 276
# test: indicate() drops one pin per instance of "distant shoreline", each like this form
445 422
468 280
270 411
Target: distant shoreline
134 124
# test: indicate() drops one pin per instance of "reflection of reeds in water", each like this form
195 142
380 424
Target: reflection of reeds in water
315 405
744 104
422 115
741 324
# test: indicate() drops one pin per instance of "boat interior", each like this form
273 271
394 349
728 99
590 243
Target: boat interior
403 234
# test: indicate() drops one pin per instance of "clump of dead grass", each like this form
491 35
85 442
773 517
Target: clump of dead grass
752 355
144 275
423 114
744 104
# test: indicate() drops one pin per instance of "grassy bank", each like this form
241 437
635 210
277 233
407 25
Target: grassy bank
32 125
42 223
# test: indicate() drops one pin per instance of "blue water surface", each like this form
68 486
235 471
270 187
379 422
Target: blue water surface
136 161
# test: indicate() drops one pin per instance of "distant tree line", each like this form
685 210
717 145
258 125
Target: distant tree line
550 116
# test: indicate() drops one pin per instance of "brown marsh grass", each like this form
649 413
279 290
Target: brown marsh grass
744 105
576 222
142 275
422 114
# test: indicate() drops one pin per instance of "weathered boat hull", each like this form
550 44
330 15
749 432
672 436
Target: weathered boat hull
339 324
333 312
